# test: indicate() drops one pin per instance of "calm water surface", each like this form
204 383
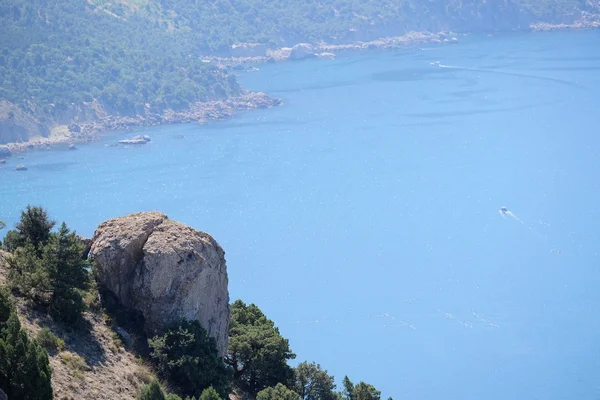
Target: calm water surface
362 216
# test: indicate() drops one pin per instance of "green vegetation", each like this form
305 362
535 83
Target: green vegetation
56 55
48 267
279 392
24 368
49 340
314 383
134 56
210 394
188 358
257 353
360 391
152 391
34 226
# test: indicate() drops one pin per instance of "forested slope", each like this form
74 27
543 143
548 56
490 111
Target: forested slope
70 60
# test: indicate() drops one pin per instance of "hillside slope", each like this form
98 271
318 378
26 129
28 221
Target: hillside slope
92 365
71 61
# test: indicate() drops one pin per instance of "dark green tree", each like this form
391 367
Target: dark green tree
24 367
68 274
56 277
279 392
257 352
152 391
187 357
313 383
210 394
364 391
348 392
34 226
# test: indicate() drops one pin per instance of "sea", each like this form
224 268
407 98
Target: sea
426 220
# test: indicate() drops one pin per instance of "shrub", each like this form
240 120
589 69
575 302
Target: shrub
279 392
187 357
210 394
152 391
49 340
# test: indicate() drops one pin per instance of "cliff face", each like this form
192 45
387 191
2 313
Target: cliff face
17 126
165 270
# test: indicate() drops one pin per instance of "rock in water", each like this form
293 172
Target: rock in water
165 270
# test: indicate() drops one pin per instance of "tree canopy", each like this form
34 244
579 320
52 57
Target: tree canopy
187 357
24 367
313 383
48 267
278 392
257 352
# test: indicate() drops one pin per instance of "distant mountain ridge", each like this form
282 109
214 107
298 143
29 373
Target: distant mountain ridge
74 62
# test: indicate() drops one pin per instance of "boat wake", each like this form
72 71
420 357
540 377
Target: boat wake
499 72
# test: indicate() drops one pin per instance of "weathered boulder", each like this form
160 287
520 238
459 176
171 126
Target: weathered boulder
165 270
302 51
21 167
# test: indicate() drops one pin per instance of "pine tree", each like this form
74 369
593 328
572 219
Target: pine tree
24 367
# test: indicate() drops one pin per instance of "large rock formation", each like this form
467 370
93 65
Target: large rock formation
165 270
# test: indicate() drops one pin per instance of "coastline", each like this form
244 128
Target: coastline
201 112
325 50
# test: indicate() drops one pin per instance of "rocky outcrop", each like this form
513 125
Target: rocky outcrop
302 51
18 126
4 152
165 270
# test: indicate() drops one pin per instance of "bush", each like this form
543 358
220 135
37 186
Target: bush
49 340
279 392
187 357
24 367
152 391
210 394
34 227
257 352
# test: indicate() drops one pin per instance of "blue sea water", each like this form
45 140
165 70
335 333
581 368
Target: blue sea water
363 215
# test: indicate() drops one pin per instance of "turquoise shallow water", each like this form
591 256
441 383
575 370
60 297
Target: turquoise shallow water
362 216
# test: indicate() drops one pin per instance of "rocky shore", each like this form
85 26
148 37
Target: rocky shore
588 21
256 54
200 112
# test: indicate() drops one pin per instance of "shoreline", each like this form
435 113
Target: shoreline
203 112
200 112
302 51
